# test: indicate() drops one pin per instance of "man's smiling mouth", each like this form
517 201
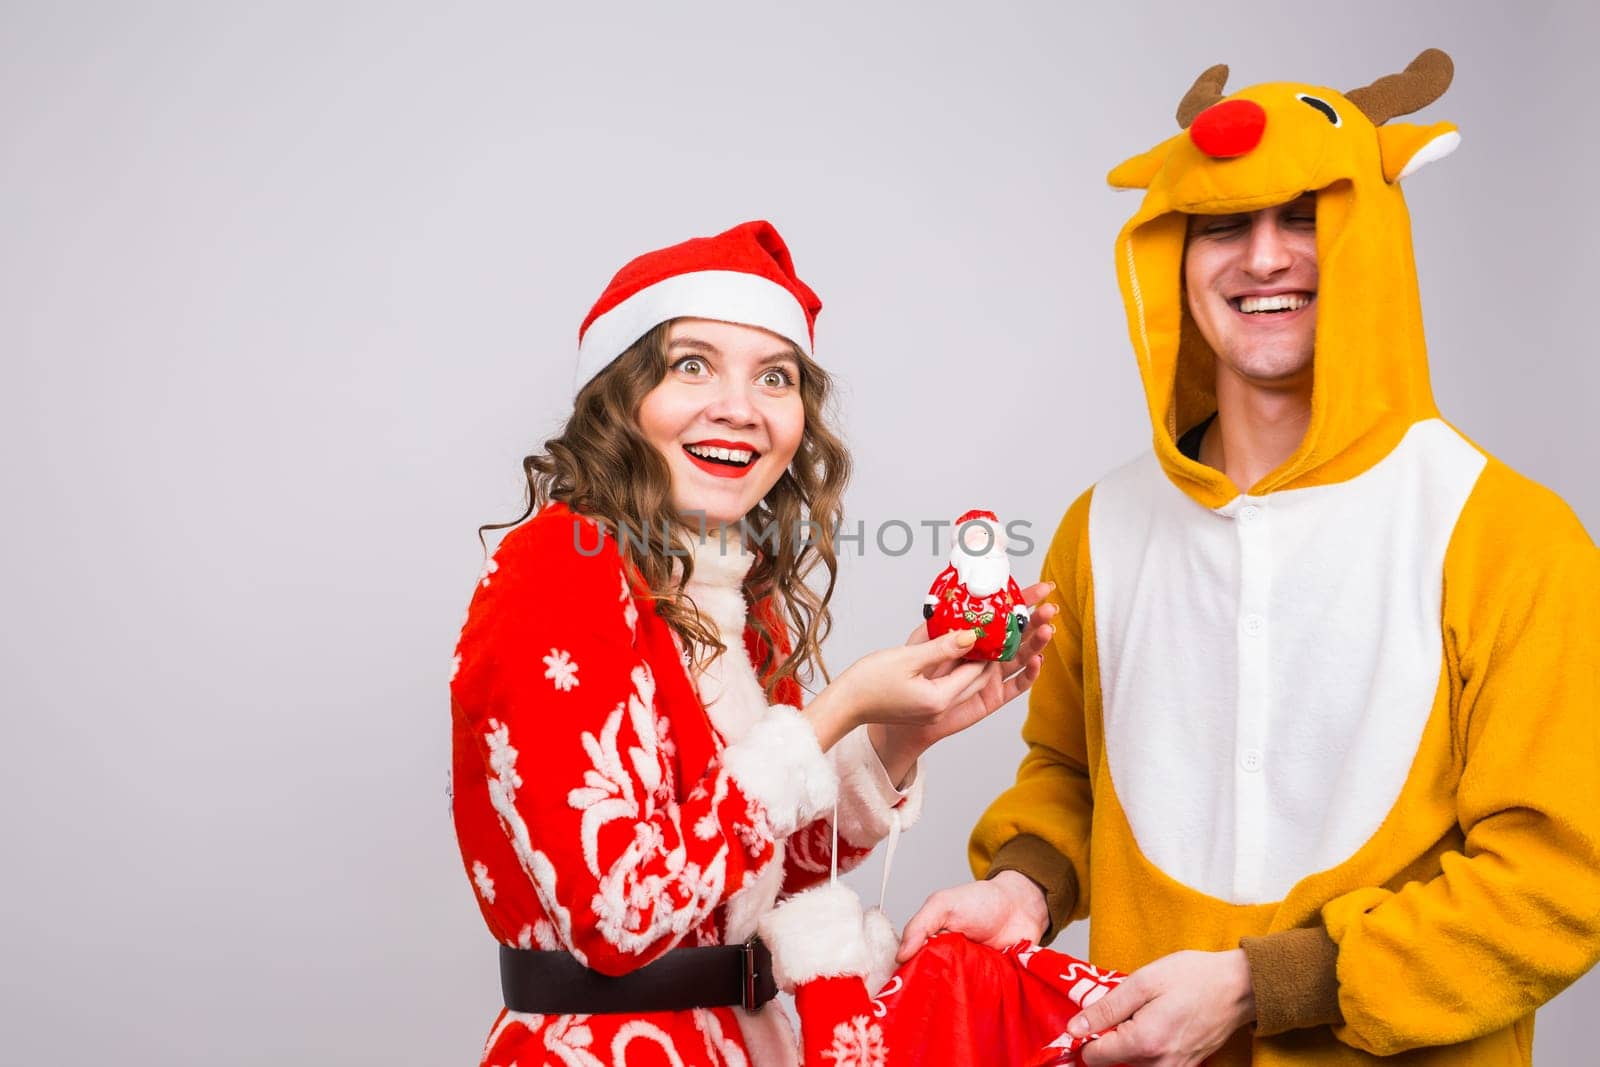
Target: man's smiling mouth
1271 305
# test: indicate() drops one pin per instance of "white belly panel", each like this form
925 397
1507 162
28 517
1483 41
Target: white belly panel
1267 667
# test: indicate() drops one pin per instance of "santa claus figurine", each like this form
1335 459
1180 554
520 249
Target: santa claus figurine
976 591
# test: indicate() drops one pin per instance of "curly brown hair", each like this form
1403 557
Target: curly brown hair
601 466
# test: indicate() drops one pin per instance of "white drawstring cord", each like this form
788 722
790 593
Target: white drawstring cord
833 853
888 857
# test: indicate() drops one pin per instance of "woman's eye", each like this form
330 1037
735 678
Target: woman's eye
1223 225
691 365
776 378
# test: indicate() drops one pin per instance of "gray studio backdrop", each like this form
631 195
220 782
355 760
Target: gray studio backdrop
286 290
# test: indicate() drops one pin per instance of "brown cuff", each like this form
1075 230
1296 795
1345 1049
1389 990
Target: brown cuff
1037 859
1296 979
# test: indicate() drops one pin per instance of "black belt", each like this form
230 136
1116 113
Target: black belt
553 983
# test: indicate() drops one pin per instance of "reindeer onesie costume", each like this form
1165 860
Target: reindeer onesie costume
1348 717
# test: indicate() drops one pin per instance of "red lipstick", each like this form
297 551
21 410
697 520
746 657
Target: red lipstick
722 468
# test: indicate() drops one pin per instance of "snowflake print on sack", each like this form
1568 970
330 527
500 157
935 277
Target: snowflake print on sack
1083 983
562 672
857 1043
489 567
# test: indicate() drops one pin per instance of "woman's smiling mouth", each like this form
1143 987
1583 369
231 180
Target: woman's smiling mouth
725 459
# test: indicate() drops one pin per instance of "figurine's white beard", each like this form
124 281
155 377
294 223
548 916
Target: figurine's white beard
982 575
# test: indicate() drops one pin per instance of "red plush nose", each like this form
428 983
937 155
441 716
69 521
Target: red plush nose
1229 129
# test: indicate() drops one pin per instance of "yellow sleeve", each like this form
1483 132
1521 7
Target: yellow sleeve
1513 917
1040 826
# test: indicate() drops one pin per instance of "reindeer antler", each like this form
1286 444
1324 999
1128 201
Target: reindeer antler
1206 90
1424 80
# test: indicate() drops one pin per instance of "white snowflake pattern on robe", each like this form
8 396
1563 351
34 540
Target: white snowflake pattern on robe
535 864
480 877
812 851
637 1030
626 894
630 614
562 672
569 1039
719 1046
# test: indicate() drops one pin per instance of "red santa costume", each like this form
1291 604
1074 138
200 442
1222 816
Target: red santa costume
976 591
611 802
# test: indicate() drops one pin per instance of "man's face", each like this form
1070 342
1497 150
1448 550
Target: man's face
1251 285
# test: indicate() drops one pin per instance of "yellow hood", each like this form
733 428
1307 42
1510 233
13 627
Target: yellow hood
1371 371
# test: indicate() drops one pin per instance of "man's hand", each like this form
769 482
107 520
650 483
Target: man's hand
1173 1012
998 913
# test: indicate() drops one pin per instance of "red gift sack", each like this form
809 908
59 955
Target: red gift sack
954 1004
957 1003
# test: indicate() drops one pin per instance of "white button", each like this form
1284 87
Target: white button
1250 759
1254 624
1249 513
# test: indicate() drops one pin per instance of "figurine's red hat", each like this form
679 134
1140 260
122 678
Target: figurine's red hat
744 275
976 515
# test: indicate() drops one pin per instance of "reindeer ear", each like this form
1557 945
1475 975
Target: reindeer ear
1406 147
1138 172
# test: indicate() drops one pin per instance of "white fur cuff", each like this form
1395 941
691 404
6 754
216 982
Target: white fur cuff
866 795
779 764
816 934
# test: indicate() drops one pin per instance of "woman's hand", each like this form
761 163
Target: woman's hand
899 744
912 685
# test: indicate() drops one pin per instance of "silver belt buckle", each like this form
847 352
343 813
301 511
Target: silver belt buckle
747 960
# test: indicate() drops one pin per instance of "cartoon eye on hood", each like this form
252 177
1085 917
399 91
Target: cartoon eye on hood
1260 147
1321 105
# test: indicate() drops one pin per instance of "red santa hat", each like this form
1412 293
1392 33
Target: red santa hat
744 275
984 519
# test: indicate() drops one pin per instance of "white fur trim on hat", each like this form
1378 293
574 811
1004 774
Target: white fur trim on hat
725 295
866 795
780 765
816 934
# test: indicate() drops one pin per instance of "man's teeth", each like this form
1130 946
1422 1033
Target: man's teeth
726 455
1282 302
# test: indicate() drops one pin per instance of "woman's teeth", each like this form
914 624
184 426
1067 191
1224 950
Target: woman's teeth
1251 305
738 457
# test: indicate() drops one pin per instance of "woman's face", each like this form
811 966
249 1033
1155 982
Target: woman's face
728 416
